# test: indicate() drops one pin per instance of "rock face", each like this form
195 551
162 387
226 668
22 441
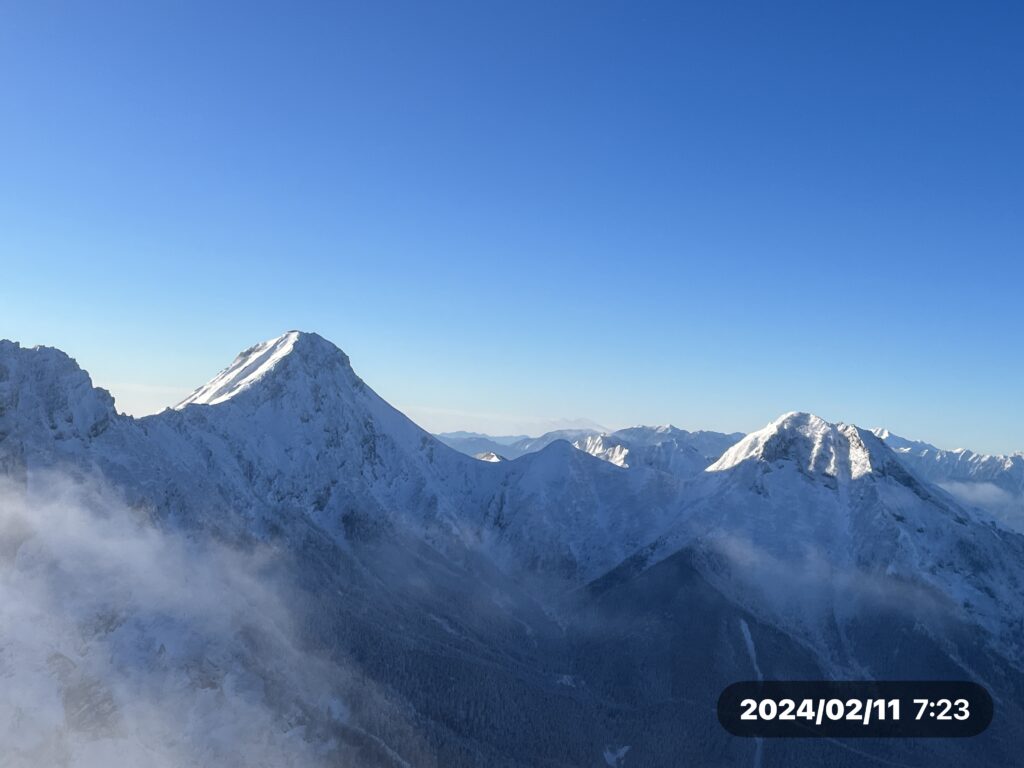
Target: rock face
366 595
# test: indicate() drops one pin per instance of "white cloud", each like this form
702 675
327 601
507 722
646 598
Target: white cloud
121 644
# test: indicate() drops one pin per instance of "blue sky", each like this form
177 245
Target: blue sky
510 213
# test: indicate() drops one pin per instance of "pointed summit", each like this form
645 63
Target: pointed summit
295 351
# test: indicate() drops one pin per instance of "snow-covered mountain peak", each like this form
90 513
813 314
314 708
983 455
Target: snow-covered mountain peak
43 392
490 456
295 352
815 446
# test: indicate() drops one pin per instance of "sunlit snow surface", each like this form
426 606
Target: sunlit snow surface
248 368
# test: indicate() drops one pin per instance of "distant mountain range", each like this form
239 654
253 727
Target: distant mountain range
667 448
991 483
285 570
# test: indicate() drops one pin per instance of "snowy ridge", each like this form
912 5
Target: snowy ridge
993 483
246 369
968 462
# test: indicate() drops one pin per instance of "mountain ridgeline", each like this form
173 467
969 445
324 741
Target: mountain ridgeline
574 600
666 448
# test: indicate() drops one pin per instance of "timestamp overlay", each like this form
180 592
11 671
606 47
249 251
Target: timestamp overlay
851 709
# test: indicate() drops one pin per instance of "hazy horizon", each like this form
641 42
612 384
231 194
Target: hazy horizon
144 400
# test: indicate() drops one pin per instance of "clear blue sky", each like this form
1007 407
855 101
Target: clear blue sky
699 213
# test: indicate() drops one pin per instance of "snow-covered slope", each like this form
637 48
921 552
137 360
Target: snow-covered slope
666 448
575 517
601 447
291 420
248 368
994 484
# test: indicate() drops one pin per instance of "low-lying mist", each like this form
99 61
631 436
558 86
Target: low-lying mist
124 644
